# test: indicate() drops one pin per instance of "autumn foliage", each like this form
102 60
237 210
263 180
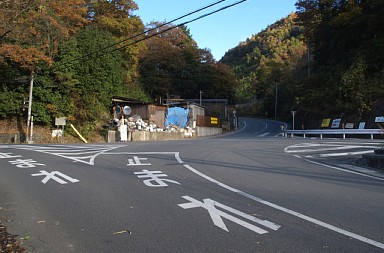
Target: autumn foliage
83 52
31 30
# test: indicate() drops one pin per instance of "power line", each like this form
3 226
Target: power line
176 26
155 34
145 32
96 53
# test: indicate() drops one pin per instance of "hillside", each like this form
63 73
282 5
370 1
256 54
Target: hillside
268 59
324 61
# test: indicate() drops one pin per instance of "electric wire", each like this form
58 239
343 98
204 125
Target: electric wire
148 37
173 27
152 35
145 32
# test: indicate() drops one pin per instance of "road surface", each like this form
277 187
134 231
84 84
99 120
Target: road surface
249 191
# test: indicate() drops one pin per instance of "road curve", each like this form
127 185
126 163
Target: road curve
238 192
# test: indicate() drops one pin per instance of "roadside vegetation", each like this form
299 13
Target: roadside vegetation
80 53
325 60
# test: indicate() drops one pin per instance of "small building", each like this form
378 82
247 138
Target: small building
146 111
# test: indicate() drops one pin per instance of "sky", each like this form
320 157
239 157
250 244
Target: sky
223 30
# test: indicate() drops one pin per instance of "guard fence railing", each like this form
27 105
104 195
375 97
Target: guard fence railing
341 132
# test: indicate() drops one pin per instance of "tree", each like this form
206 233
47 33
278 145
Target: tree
32 30
90 82
173 64
117 17
30 33
271 58
163 66
347 41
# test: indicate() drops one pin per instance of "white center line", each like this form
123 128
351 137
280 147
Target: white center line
283 209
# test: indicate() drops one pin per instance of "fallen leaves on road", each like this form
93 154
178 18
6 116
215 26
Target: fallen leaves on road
8 243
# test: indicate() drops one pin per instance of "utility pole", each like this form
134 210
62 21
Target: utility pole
309 58
293 119
201 93
276 102
29 130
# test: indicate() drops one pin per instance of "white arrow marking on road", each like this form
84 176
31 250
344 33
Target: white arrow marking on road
216 215
51 175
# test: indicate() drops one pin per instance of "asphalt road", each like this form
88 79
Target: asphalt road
249 191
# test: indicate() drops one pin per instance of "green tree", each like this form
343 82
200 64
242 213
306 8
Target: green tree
274 57
30 32
117 17
347 44
89 84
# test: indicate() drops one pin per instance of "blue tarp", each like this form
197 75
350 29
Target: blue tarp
177 116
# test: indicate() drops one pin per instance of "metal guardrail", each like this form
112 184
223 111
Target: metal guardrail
342 132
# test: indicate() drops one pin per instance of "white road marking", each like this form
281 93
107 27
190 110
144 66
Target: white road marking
334 146
286 210
280 208
154 178
249 196
85 154
52 175
136 161
344 170
347 153
26 163
326 149
217 215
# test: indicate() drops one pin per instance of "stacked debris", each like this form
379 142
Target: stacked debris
188 131
136 123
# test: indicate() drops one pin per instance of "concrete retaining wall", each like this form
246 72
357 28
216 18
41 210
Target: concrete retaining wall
12 138
156 136
114 136
208 131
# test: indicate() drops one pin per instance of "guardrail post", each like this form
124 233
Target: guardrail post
344 136
321 136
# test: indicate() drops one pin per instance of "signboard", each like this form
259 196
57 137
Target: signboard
214 121
379 119
60 121
325 122
349 125
336 123
362 125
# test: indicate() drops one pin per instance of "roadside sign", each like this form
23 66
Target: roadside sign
336 123
379 119
60 121
325 122
361 125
